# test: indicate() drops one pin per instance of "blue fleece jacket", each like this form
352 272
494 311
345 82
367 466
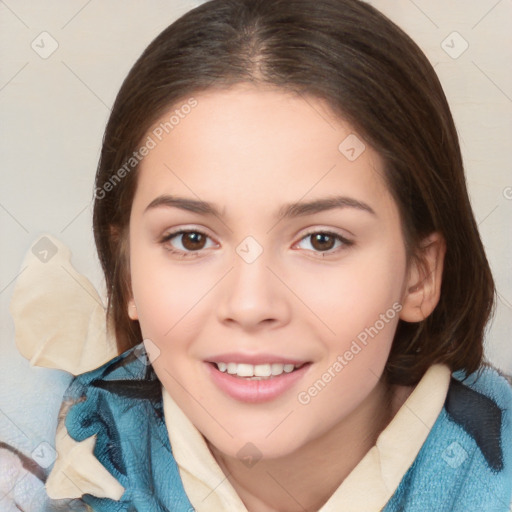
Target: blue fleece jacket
465 464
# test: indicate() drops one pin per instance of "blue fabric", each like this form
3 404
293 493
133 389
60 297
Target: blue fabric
121 402
465 465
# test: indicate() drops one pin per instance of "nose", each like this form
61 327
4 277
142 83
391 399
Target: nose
252 297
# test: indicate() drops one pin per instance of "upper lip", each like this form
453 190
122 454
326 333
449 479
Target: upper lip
254 359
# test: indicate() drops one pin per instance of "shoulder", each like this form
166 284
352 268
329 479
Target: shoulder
117 399
488 381
131 368
481 405
466 460
120 405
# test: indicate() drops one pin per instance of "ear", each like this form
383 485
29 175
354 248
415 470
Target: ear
132 310
423 286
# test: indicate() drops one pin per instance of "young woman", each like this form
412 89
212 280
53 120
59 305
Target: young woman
281 215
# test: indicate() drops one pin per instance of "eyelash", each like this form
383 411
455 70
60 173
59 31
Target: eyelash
194 254
179 253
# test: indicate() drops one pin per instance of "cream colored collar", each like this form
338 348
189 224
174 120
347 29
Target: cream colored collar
384 465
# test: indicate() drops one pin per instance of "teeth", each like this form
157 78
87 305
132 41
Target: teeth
256 371
262 370
245 370
277 369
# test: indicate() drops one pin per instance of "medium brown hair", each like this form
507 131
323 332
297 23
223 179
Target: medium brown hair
372 75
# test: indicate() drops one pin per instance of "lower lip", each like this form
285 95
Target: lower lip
255 391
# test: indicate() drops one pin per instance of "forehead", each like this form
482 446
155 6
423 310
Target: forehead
249 144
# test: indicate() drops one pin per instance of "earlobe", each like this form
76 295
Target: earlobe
423 286
132 310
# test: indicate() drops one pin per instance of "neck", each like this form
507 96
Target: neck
318 468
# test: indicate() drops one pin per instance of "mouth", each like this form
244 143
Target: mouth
255 383
264 371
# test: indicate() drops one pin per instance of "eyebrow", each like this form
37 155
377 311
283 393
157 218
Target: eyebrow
287 211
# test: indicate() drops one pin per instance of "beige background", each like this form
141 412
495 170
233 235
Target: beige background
54 110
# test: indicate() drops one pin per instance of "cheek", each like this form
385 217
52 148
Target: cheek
167 296
354 295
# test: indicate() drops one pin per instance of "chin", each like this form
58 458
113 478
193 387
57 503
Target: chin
257 443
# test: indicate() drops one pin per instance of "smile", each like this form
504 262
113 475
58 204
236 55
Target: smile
258 371
255 383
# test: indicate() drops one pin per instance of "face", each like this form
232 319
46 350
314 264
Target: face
273 306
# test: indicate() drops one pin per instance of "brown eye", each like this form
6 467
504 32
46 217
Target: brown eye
322 241
186 243
193 240
325 242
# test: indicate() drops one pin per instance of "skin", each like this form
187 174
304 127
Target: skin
250 150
